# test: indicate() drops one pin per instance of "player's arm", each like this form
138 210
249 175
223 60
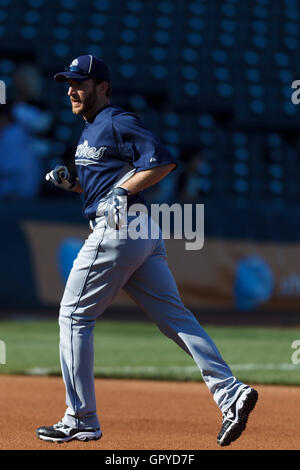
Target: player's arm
144 179
150 157
77 188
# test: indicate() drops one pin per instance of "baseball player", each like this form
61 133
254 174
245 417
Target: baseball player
116 159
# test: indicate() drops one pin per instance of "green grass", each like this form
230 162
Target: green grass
139 350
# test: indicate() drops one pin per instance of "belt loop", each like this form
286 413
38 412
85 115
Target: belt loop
93 223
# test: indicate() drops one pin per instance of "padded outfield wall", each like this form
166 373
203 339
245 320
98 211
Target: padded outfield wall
250 260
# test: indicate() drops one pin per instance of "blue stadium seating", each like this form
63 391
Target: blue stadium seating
209 73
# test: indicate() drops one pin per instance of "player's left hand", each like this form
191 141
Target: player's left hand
116 208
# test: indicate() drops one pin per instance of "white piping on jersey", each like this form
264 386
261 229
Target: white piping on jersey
85 162
126 173
91 61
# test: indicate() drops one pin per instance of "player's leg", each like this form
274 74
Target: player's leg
103 265
154 289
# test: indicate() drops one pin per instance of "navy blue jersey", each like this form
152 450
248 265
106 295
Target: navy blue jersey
112 147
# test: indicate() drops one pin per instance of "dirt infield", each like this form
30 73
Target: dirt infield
146 415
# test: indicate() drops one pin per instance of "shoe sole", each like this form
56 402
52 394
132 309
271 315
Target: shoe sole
236 429
80 436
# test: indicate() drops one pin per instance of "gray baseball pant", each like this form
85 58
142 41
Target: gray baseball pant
105 264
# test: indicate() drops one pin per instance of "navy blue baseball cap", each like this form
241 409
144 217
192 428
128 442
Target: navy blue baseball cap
84 67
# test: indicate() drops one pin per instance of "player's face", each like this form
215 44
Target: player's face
83 96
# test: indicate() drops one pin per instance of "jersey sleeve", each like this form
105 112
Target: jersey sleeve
146 150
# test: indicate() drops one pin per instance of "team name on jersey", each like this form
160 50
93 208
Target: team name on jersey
86 155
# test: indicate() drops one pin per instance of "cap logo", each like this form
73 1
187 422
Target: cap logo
75 62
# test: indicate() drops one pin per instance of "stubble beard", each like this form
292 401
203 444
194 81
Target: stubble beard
86 106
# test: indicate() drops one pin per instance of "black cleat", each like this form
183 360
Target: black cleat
236 417
62 433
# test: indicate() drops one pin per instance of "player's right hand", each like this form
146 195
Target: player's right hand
61 177
116 208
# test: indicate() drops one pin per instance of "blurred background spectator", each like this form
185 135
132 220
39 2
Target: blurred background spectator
20 170
24 128
192 182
